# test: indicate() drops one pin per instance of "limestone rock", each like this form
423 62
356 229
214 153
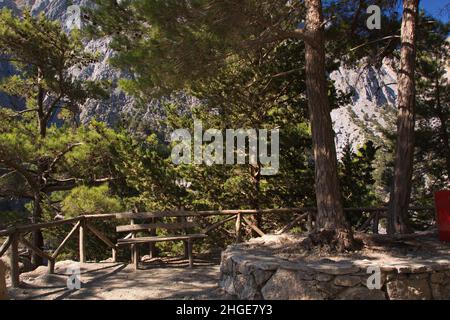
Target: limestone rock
440 291
259 271
336 268
409 289
440 277
261 276
226 283
329 289
245 287
347 281
287 285
323 277
226 266
361 293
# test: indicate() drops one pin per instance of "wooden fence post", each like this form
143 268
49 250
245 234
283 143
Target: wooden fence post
184 231
190 256
238 227
375 222
114 254
81 248
309 222
134 250
3 292
152 247
51 266
14 260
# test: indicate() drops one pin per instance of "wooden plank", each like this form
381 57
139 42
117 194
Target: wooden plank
253 226
81 239
46 225
136 257
150 215
100 216
128 215
14 260
133 246
51 266
367 223
191 258
375 223
32 247
146 215
114 254
237 227
157 225
100 235
63 243
159 239
5 246
186 249
291 224
184 230
217 224
152 248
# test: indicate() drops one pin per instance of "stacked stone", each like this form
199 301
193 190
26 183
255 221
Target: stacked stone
253 274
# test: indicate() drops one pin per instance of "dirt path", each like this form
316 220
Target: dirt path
157 279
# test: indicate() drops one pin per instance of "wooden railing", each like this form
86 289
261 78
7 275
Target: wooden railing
82 224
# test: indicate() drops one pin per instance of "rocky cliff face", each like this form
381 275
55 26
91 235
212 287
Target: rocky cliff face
68 12
372 89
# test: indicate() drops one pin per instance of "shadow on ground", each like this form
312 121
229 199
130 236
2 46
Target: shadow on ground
160 278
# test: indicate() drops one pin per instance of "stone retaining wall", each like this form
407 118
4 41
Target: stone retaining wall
253 274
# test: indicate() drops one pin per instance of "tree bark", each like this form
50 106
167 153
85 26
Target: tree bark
256 179
42 122
37 238
330 213
401 189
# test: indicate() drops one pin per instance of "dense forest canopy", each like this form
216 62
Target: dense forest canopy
248 64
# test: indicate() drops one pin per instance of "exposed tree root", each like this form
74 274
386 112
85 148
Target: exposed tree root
334 240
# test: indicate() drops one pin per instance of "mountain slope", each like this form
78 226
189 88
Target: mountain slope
372 89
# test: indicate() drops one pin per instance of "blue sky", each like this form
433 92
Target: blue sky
434 8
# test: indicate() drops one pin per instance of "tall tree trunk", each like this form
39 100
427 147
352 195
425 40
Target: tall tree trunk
256 180
401 190
37 238
330 215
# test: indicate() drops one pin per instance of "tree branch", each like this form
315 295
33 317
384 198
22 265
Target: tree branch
23 171
7 174
374 41
61 155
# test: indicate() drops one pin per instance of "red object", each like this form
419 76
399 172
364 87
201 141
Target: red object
442 201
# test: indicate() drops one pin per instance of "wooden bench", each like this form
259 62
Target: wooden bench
133 228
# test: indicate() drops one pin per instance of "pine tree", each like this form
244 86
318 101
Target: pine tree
401 189
32 149
183 43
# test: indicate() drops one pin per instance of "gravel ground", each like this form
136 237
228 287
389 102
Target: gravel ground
167 278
